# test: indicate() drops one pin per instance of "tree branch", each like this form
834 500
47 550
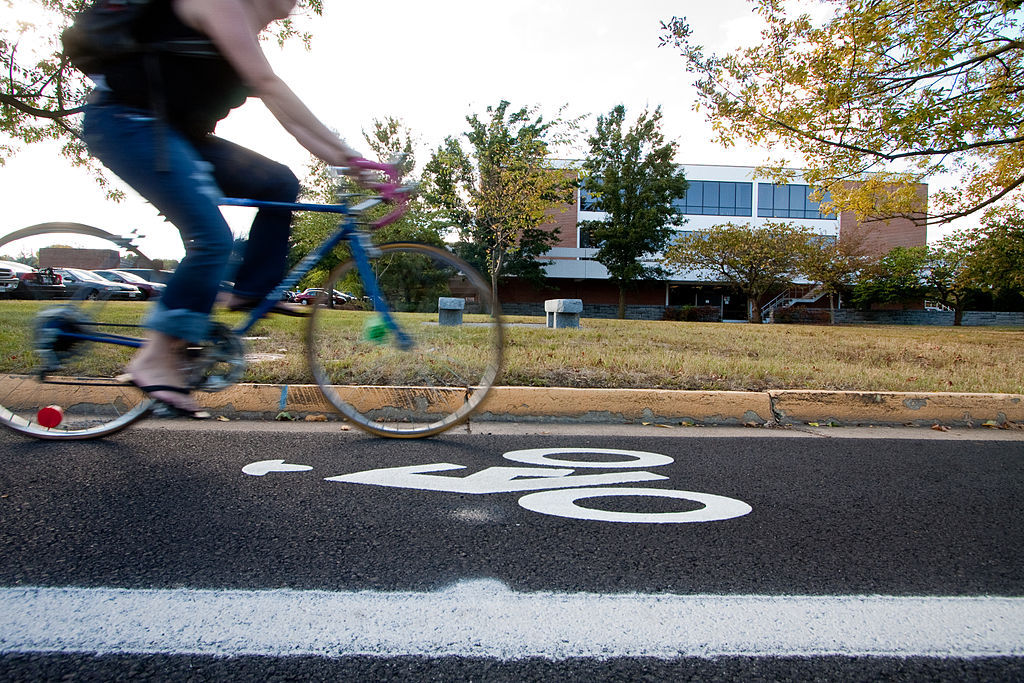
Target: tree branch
947 217
54 115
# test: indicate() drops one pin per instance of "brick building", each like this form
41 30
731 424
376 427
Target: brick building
71 257
717 194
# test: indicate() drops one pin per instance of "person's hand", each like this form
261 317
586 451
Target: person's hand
357 168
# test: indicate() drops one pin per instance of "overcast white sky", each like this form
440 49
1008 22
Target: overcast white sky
431 64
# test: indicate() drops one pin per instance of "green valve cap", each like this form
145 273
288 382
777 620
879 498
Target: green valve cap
375 330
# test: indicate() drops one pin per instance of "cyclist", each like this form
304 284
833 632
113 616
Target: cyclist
150 120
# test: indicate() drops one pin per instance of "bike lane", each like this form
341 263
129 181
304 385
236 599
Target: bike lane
826 516
452 518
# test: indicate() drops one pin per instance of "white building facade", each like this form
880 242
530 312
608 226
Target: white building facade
716 195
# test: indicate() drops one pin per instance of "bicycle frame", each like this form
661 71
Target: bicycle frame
348 231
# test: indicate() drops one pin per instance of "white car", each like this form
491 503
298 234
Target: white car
8 280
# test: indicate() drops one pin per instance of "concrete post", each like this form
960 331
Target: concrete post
563 313
449 310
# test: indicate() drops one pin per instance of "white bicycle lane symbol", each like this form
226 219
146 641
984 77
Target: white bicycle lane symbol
558 488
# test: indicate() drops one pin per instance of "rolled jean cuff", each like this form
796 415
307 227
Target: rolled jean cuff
182 323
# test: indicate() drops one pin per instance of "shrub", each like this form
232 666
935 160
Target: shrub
802 316
693 314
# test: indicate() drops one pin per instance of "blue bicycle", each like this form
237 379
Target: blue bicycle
407 342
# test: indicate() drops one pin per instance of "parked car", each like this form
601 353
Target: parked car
25 282
150 290
9 280
314 294
84 284
150 274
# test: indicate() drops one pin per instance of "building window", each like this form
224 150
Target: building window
789 201
716 198
585 241
588 202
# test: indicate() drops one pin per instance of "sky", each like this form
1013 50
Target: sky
430 65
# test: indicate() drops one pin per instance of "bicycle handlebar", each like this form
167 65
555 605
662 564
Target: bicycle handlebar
392 191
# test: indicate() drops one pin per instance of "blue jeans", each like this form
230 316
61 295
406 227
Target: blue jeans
183 178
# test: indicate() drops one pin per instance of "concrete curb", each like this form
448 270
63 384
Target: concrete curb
608 406
633 406
896 408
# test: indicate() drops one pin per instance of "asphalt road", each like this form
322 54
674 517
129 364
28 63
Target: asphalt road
507 524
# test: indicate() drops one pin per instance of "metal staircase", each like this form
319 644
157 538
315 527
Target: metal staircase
937 306
788 298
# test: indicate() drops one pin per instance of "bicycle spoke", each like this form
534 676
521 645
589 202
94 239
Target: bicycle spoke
446 372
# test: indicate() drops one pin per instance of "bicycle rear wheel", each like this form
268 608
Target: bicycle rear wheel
434 369
62 351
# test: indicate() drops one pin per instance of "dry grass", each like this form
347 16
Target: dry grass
675 355
609 353
710 356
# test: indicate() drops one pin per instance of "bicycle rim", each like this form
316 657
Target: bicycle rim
446 312
56 380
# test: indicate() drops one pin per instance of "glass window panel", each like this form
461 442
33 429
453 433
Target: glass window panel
781 201
764 199
797 198
694 195
826 198
743 193
811 206
727 198
710 195
587 201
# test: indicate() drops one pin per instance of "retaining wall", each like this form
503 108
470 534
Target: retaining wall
589 311
845 316
942 318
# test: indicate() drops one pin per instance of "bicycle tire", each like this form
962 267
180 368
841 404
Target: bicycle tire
52 384
361 367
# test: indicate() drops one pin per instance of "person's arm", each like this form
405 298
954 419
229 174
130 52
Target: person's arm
231 25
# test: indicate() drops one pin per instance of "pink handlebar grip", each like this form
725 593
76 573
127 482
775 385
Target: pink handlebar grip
391 191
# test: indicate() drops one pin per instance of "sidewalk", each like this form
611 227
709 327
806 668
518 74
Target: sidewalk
652 406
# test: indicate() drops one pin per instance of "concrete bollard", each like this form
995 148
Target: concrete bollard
563 312
449 310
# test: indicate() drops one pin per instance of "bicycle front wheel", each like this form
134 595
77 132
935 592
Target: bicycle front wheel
431 367
63 347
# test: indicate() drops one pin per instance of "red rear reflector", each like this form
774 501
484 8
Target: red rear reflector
50 416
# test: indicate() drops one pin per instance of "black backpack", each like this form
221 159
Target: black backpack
106 30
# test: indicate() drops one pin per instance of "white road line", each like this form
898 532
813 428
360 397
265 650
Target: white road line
485 619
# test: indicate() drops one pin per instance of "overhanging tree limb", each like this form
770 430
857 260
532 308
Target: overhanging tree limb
925 86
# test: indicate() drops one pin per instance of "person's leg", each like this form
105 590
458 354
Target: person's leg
164 167
244 174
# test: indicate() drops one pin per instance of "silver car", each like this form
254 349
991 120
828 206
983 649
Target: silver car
150 290
83 284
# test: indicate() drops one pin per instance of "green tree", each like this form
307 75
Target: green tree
834 265
755 260
897 277
997 261
948 276
388 138
41 93
887 92
500 194
632 178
